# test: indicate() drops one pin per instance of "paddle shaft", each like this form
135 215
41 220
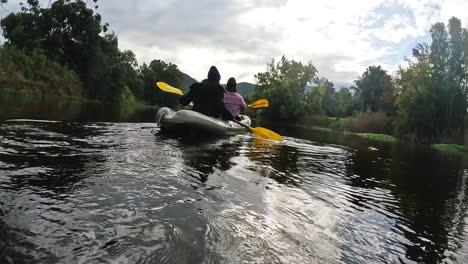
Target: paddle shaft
246 126
167 88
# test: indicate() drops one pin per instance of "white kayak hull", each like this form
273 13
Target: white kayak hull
167 119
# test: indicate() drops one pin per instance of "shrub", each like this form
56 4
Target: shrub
369 122
316 120
33 72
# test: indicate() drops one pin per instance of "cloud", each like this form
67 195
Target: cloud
341 38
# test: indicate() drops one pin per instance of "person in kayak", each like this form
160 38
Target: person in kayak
233 100
208 96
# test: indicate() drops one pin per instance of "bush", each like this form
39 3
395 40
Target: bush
316 120
337 123
369 122
34 73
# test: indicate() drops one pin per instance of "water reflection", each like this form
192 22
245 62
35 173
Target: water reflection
203 160
49 155
431 189
51 108
275 160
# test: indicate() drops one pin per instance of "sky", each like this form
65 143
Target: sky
340 38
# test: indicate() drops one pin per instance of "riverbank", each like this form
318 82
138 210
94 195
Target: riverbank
451 148
337 124
9 93
69 108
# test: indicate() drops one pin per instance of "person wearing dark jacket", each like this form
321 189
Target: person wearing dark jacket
208 96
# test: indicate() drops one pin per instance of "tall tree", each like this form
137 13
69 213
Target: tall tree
432 99
283 84
322 99
345 103
160 71
376 90
417 98
455 77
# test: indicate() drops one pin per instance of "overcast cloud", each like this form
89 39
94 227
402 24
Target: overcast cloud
341 38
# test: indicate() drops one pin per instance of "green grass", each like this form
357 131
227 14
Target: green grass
377 137
337 123
337 119
451 148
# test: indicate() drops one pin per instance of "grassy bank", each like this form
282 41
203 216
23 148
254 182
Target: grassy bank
371 136
451 148
337 123
377 137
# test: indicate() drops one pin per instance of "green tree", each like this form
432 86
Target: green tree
417 98
376 90
321 99
432 100
160 71
33 72
455 77
71 33
345 103
283 84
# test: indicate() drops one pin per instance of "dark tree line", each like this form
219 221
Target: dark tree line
426 101
71 33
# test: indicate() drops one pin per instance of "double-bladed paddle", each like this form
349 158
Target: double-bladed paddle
167 88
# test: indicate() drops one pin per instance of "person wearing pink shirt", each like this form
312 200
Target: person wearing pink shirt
233 100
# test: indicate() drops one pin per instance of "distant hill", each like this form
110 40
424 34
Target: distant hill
244 88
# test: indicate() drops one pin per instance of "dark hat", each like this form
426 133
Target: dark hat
213 74
231 85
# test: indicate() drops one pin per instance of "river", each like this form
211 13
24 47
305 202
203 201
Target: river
82 184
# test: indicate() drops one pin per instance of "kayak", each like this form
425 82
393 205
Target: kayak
190 121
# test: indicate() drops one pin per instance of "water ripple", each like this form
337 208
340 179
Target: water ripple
115 193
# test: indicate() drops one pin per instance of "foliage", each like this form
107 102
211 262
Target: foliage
35 73
321 98
126 97
71 33
346 102
376 90
160 71
369 122
337 123
283 84
432 99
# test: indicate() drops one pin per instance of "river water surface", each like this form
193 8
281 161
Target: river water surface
83 191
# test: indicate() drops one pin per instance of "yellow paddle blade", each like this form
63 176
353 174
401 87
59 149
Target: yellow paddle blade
261 132
259 103
167 88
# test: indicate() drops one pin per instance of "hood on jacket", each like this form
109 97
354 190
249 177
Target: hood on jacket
231 85
213 74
